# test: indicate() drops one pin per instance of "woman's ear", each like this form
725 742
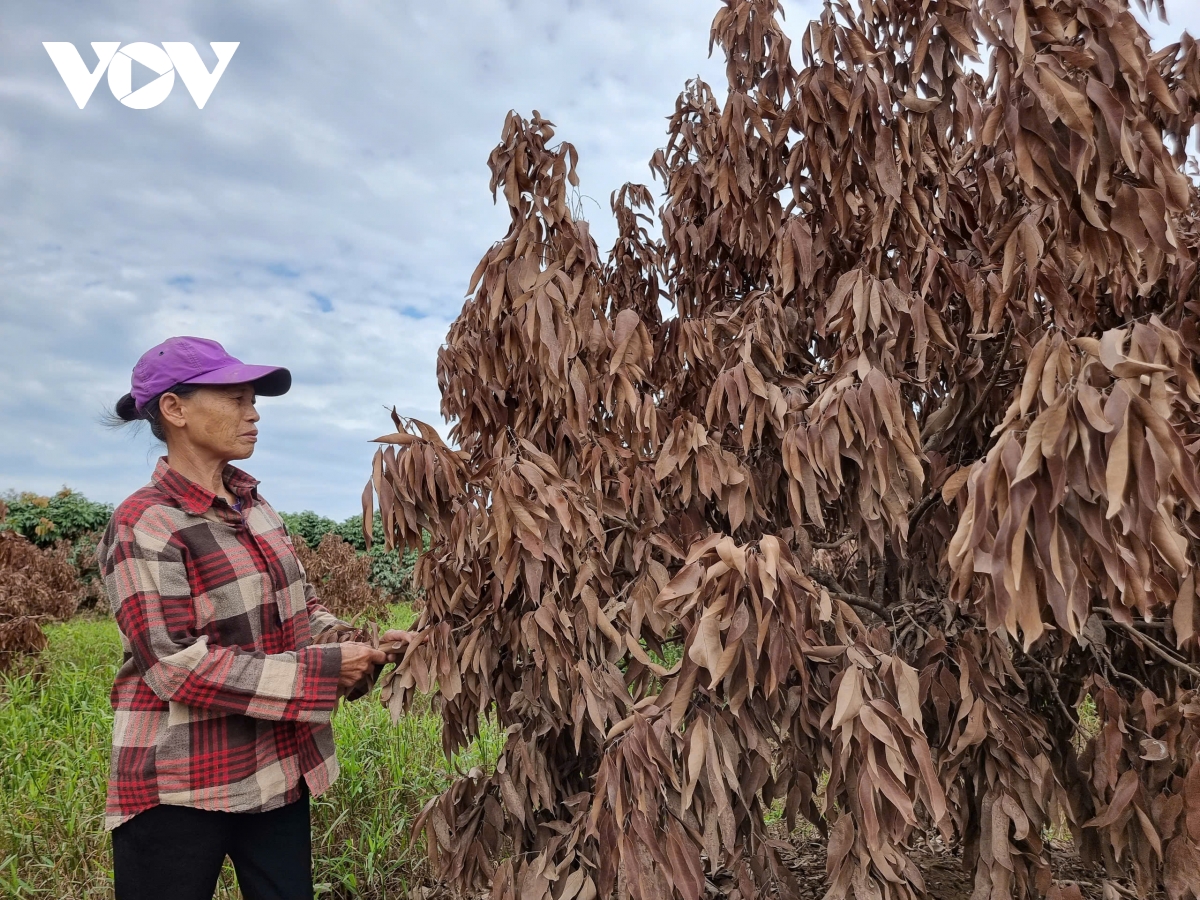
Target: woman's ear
170 410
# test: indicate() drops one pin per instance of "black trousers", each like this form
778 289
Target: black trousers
176 853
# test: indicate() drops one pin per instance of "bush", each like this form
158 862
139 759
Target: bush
308 526
67 516
312 527
87 568
389 571
36 585
342 580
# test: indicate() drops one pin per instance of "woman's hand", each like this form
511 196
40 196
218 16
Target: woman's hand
357 661
397 637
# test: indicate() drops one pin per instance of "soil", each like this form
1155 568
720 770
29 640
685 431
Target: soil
946 878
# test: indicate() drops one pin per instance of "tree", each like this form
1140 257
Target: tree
68 515
911 471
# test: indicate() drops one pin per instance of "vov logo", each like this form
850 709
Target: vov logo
165 61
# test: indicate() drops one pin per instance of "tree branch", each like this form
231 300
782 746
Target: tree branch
853 599
833 545
1158 651
998 363
1105 660
922 508
999 366
1050 679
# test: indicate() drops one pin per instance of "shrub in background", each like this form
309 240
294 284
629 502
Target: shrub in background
67 516
308 526
87 568
71 517
36 585
390 570
341 577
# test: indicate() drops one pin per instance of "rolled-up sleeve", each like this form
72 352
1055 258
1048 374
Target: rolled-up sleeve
146 579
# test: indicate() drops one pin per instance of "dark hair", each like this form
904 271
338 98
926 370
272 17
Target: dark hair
126 410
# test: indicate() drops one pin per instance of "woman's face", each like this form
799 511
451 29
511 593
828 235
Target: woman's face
217 421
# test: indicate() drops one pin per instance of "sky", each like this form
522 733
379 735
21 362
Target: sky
324 211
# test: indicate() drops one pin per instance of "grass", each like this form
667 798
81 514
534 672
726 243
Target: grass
55 733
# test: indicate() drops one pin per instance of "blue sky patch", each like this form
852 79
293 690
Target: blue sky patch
283 270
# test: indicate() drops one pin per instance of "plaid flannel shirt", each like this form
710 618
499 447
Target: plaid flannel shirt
222 700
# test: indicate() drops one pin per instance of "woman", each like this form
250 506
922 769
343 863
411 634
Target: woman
231 666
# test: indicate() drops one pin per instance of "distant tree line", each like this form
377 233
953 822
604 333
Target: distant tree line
70 516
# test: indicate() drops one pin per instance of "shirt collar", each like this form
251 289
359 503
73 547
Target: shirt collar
194 499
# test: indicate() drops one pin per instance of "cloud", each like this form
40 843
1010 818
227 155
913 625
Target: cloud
324 210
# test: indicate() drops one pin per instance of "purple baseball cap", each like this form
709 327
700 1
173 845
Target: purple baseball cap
193 360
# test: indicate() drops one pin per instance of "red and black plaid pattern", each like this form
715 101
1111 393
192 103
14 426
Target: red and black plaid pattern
222 700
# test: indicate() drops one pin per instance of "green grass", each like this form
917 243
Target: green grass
55 733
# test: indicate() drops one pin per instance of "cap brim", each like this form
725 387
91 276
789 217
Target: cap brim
269 381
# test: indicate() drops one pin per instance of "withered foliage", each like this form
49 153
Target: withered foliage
908 476
36 586
340 577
